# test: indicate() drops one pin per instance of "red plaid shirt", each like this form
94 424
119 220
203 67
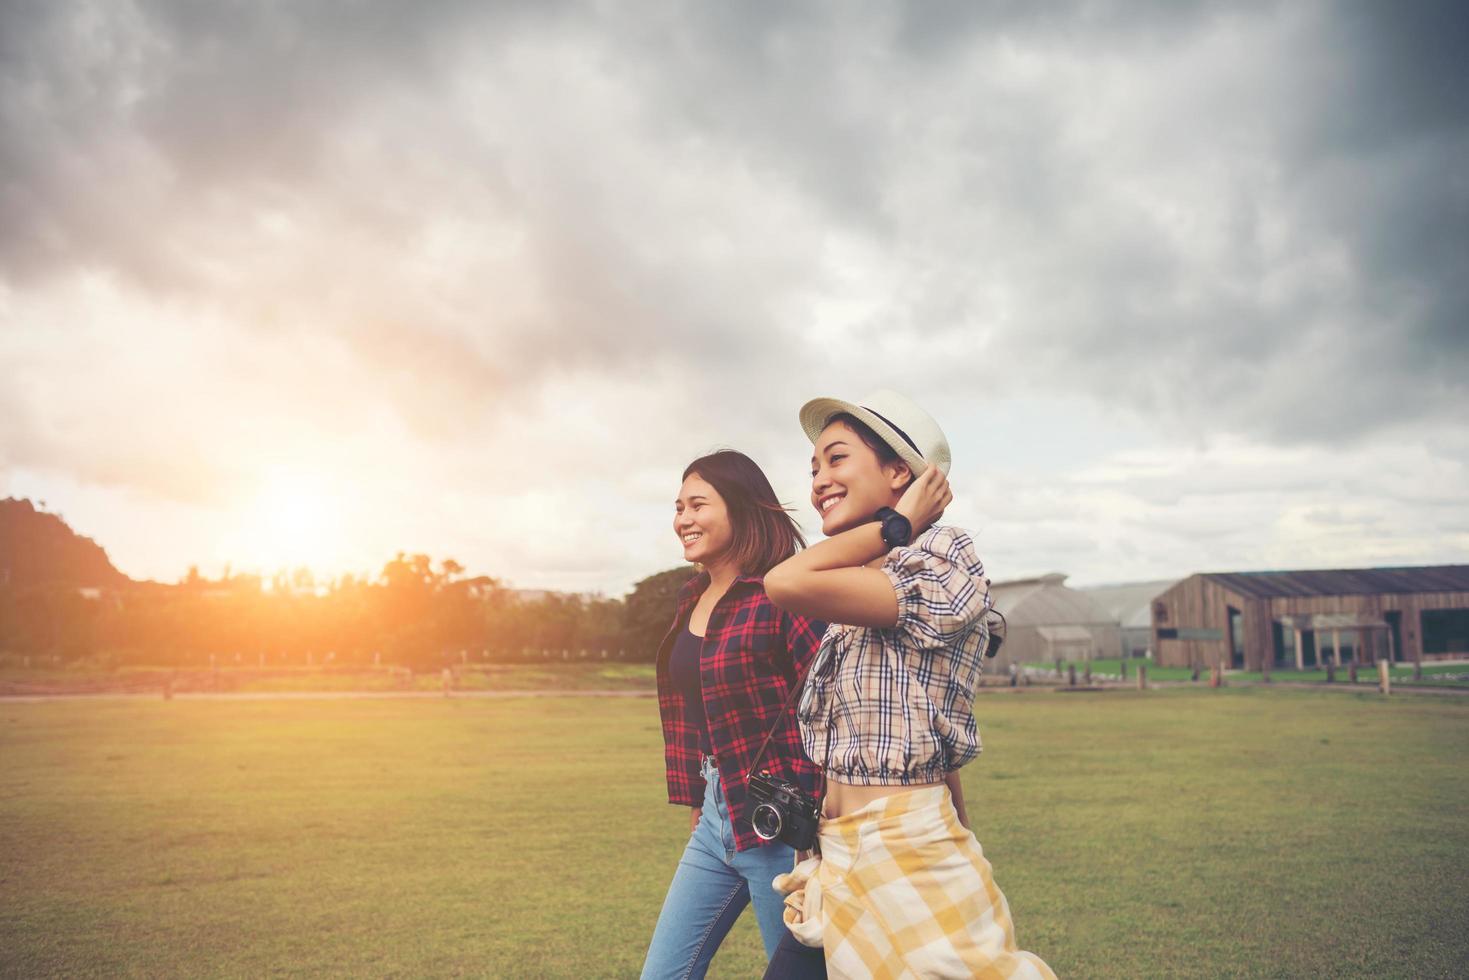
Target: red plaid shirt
753 652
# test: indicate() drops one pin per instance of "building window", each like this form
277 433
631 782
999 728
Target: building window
1446 631
1285 645
1337 643
1237 638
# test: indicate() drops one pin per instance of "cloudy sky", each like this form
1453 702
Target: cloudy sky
290 283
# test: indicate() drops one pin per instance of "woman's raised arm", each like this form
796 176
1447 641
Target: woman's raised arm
830 580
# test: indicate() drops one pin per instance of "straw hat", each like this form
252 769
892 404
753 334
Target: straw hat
908 429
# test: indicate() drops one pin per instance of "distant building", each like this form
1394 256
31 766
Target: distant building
1131 605
1306 618
1046 619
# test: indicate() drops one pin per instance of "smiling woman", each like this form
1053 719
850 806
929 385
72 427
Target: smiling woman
725 670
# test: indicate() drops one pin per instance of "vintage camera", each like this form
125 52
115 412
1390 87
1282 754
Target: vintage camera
783 811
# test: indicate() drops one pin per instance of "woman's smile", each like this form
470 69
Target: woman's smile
701 521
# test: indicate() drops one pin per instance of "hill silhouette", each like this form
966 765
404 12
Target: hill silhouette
38 548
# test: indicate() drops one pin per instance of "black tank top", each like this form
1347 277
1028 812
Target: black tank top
683 673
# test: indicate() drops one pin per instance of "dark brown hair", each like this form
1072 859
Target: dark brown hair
885 454
765 534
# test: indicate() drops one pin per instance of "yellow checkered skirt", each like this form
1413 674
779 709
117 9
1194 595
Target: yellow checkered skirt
905 891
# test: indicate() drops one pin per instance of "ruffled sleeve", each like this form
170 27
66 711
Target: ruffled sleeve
940 584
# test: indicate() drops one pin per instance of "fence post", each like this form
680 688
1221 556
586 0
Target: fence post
448 681
1330 672
1071 676
1384 677
1123 668
1352 672
1142 677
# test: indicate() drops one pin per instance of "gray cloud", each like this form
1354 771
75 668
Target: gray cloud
1244 221
1153 191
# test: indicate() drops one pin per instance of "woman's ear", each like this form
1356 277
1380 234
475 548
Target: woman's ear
899 475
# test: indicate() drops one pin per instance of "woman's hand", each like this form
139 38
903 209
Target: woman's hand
924 501
827 581
694 813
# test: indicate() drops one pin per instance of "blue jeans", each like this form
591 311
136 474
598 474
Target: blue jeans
710 889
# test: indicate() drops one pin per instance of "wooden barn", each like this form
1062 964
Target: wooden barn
1298 620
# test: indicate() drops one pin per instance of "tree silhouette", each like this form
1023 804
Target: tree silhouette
649 611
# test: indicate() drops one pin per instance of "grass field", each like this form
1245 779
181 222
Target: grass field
1240 832
1441 674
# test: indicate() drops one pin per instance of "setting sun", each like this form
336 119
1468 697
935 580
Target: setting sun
294 519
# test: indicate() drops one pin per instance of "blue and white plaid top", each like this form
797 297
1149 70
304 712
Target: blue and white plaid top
895 706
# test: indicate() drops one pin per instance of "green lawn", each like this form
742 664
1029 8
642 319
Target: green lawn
1241 832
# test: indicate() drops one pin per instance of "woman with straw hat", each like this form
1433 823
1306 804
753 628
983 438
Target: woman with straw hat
901 886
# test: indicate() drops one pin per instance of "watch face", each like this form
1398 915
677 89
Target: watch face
896 530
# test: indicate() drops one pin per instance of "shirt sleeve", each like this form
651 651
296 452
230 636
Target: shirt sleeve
802 639
940 585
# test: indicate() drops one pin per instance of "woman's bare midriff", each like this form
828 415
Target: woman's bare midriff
844 798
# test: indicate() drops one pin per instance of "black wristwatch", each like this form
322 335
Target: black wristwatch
897 530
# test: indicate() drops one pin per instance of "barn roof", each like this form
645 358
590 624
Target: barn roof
1066 636
1046 601
1130 604
1345 581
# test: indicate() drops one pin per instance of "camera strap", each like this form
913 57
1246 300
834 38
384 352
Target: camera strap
796 689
